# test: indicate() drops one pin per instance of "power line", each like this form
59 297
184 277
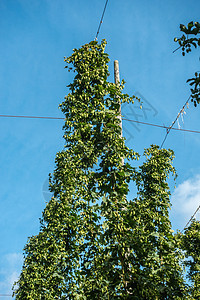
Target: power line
161 126
31 117
101 21
171 127
125 119
192 217
177 49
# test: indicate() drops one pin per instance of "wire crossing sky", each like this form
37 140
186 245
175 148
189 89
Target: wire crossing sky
192 217
101 21
177 117
144 123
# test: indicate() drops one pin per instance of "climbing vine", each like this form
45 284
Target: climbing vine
94 242
190 241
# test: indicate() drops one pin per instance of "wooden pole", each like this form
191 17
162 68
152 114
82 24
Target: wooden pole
116 70
117 81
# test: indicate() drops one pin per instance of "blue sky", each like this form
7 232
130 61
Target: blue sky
35 35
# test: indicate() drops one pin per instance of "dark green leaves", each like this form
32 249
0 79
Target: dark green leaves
190 244
93 242
185 43
196 89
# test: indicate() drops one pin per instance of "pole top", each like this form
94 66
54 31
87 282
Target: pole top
116 71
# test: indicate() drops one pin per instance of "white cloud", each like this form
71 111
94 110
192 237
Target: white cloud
185 201
10 267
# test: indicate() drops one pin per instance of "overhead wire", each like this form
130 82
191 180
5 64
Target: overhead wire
101 21
177 117
161 126
31 117
192 217
176 49
125 119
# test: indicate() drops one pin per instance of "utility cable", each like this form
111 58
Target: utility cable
125 119
31 117
161 126
177 49
192 217
101 21
171 127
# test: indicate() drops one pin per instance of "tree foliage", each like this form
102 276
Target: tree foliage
156 257
190 243
189 39
190 239
93 242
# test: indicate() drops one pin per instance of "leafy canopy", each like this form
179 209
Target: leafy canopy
93 242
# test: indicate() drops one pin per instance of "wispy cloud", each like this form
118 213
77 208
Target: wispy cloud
185 200
9 271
